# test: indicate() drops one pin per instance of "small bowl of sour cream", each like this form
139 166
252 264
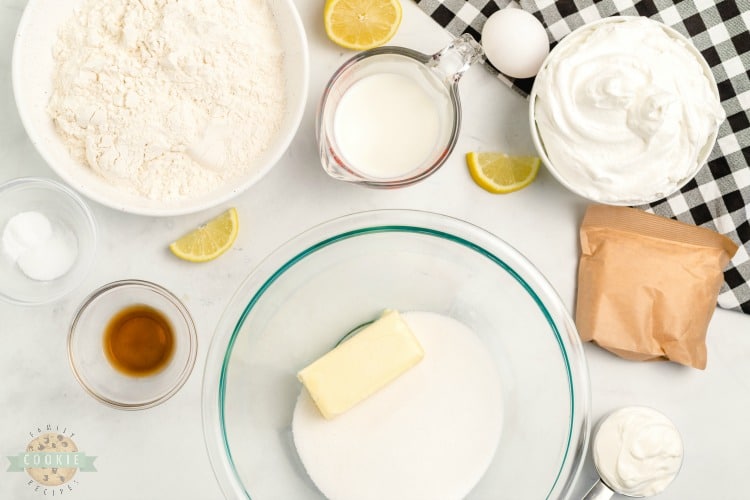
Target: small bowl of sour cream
625 111
47 240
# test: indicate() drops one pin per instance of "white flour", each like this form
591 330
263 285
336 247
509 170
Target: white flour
169 98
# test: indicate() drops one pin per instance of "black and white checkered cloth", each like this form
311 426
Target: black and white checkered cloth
719 196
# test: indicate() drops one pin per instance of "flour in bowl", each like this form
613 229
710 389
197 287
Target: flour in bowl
169 99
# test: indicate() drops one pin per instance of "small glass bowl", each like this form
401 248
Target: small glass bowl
89 361
66 211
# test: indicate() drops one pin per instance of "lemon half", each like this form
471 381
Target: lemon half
361 24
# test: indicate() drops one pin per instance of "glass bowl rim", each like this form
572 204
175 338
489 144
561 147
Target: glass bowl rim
192 338
46 183
321 236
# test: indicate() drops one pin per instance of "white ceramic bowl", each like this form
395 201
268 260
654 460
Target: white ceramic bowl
32 85
65 210
555 55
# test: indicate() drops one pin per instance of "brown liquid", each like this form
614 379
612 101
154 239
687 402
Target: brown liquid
139 341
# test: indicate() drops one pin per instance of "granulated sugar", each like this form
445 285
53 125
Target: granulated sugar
169 98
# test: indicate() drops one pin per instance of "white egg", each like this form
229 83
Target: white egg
515 42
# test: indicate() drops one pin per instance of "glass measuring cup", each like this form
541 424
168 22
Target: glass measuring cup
390 116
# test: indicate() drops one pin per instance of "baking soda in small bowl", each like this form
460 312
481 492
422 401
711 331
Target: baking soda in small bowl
43 250
47 240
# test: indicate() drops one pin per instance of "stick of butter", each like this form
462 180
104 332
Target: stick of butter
361 365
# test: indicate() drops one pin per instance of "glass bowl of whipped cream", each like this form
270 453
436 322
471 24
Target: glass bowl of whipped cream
625 111
498 406
47 240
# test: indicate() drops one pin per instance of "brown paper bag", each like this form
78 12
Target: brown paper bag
647 285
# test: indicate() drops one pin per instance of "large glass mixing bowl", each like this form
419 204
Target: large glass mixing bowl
309 293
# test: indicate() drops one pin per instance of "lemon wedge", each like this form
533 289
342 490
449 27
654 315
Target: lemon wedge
500 173
209 240
361 24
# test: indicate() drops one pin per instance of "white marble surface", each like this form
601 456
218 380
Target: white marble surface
159 453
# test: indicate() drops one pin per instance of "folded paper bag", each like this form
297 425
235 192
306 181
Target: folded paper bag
647 285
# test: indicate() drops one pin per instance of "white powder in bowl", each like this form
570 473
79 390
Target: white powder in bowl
169 99
42 250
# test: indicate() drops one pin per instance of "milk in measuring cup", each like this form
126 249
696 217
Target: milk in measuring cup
390 116
387 124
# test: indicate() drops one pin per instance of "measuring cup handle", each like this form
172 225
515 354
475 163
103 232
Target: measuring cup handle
454 59
599 491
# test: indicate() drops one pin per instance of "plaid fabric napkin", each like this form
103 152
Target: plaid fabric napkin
719 196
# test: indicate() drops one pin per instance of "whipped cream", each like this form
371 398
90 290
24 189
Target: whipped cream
637 451
626 111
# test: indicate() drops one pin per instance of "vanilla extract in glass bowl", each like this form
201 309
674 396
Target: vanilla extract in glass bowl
132 344
139 341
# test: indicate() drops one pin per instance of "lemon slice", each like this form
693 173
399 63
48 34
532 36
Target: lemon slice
361 24
210 240
500 173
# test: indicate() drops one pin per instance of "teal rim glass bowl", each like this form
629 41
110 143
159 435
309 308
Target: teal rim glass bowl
303 298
